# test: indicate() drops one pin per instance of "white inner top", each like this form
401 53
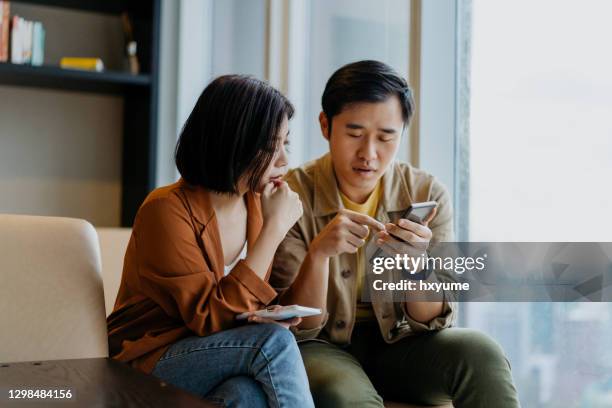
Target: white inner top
241 255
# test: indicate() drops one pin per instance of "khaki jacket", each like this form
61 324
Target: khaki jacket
173 283
316 184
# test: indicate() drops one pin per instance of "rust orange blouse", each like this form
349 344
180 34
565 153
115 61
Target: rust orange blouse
173 285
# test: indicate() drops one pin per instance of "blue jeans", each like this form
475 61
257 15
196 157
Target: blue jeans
256 365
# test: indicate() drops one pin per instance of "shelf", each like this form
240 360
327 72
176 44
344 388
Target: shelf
54 77
106 6
139 93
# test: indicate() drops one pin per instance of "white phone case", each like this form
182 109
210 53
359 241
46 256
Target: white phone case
284 313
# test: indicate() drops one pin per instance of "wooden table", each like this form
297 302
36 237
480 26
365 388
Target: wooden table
93 382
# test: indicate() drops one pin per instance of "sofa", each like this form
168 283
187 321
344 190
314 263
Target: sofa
60 277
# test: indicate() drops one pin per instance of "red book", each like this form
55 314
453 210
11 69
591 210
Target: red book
5 8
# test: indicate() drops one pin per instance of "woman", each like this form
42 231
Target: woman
200 254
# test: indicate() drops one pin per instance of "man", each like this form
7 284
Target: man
357 352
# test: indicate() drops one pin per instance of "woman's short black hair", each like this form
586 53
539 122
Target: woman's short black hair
231 132
365 81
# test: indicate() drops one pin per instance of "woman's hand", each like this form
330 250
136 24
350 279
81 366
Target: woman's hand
281 207
285 323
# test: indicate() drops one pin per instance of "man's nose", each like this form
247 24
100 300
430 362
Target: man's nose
367 150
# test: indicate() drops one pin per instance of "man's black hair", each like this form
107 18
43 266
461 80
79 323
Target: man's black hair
365 81
231 132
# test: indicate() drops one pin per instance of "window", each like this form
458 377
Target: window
336 33
239 37
540 157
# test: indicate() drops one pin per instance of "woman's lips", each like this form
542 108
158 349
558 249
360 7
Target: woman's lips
276 180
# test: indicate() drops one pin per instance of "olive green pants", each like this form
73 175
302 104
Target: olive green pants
459 365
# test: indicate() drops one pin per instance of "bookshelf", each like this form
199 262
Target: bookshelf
53 77
139 92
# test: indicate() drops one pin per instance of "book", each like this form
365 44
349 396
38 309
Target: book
88 64
26 41
38 44
16 40
5 10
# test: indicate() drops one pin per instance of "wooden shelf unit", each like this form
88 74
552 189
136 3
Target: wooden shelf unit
139 92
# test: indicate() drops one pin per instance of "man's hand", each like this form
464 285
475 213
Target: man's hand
415 240
406 237
345 233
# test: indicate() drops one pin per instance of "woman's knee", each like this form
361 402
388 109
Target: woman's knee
277 337
240 391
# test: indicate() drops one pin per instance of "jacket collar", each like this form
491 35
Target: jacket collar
197 200
395 197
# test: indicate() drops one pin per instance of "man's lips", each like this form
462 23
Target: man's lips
364 169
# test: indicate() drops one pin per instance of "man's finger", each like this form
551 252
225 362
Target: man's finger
354 241
431 215
401 247
364 219
403 234
360 231
412 226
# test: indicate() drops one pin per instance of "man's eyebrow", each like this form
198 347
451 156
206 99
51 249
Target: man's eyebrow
354 126
389 131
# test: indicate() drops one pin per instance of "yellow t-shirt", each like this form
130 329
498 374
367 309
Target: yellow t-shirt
369 207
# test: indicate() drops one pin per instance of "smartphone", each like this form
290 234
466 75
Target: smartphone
282 313
417 212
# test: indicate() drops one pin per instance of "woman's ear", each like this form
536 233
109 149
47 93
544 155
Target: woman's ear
324 125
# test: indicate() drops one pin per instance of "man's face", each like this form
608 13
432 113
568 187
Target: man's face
363 142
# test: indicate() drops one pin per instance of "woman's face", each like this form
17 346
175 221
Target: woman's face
278 165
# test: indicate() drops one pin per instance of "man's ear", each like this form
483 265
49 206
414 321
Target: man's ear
324 125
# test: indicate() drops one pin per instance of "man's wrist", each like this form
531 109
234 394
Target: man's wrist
316 254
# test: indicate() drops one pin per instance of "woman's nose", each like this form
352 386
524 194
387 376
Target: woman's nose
282 159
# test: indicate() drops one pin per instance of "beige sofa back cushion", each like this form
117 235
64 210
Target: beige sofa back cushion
113 243
51 298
